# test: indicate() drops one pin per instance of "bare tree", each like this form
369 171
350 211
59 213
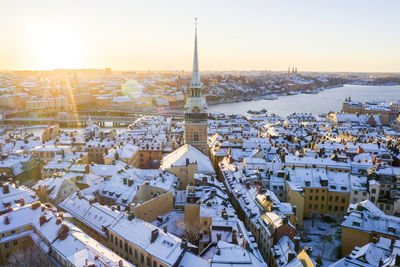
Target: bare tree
192 233
31 256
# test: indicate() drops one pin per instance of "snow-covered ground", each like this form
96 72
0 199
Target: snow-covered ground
325 240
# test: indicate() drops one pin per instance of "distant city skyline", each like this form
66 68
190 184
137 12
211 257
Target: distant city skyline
315 35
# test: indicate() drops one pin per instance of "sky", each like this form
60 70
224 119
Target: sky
312 35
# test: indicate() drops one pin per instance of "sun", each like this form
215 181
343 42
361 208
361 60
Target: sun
55 47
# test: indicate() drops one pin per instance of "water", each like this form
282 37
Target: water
323 102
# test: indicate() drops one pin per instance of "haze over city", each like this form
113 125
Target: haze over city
357 36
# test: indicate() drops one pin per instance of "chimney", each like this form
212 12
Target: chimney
397 260
130 182
6 220
124 180
218 237
184 244
165 228
234 237
35 205
42 220
296 240
154 235
87 168
308 251
291 256
380 262
22 202
6 188
285 220
187 161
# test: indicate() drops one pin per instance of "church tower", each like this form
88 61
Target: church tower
196 108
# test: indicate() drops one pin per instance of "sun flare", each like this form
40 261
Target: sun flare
55 47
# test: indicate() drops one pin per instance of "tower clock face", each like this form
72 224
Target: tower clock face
196 109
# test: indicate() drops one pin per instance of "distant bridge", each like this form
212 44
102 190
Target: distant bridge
74 120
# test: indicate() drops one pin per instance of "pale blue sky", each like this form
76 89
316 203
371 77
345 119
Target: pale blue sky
314 35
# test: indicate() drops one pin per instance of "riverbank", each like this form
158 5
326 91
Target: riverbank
323 102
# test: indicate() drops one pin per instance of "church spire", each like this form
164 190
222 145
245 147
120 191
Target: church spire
195 75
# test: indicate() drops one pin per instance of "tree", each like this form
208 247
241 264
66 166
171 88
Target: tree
31 256
192 233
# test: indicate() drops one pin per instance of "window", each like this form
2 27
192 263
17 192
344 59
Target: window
311 190
112 239
330 198
116 241
316 197
148 261
355 192
141 258
323 198
24 239
330 207
343 199
154 263
310 206
15 242
7 255
13 232
322 207
373 191
196 136
130 250
136 253
310 197
120 243
6 245
316 206
336 208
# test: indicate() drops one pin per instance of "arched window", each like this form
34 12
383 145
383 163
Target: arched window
196 136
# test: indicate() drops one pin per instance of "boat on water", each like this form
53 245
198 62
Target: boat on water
270 97
254 112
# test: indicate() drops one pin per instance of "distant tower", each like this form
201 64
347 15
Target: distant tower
196 108
288 72
295 71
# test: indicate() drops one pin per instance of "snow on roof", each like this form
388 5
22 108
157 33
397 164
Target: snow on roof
93 215
190 260
15 194
48 229
166 247
368 218
228 254
191 154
